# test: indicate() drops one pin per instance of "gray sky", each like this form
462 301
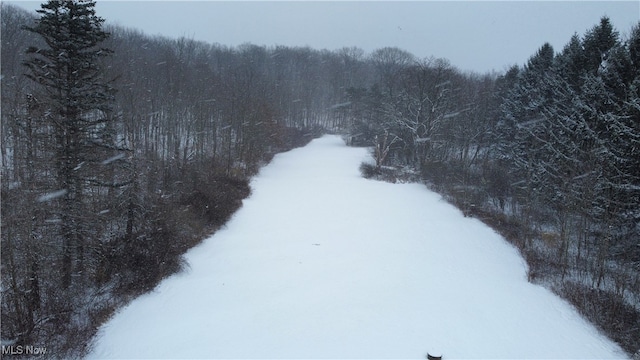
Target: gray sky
474 35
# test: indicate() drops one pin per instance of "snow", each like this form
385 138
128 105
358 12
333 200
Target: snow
112 159
51 195
321 263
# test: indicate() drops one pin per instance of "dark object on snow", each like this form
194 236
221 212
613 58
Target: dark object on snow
434 357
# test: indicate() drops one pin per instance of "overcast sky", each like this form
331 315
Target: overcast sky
474 35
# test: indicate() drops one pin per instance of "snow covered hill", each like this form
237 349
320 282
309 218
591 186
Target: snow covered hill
321 263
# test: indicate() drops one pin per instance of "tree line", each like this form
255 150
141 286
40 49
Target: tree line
121 150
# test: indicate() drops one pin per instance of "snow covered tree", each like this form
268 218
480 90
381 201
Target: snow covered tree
522 124
522 104
498 174
419 109
630 180
610 95
598 44
78 101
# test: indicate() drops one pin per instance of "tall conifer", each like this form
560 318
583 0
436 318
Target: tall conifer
78 100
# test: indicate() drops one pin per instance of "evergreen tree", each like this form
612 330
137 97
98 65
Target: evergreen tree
571 63
598 43
617 137
523 123
502 137
78 101
632 146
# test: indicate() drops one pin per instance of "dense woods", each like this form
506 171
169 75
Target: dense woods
120 151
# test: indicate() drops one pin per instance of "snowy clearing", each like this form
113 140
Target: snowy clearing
321 263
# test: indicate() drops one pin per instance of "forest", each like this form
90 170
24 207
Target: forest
120 151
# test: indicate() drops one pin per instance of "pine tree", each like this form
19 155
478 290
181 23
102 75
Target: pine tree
598 43
618 140
523 123
78 102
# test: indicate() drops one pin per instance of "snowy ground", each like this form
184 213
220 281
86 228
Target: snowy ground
321 263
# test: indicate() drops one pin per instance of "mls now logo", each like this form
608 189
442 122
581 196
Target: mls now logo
23 350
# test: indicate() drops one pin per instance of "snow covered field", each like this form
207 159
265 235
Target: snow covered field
321 263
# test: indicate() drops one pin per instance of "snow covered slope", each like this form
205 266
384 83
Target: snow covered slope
321 263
